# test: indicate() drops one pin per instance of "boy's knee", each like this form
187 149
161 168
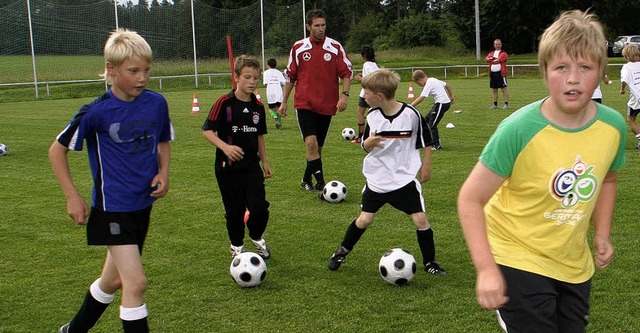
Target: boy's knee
136 286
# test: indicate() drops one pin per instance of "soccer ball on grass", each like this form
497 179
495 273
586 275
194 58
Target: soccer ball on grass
397 267
3 149
334 192
348 134
248 269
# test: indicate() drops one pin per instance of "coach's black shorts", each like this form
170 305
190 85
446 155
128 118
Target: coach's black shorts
541 304
407 199
362 103
118 228
312 123
497 80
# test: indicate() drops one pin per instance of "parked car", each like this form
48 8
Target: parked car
622 41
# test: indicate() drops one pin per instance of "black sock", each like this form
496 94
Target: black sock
88 314
427 245
316 169
506 103
495 103
307 173
135 326
352 236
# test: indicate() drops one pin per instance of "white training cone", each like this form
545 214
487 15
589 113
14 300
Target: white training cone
450 125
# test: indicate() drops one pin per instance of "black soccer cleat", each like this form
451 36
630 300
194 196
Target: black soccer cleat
434 269
307 186
64 328
337 258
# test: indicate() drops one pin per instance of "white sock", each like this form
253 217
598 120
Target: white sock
131 314
100 295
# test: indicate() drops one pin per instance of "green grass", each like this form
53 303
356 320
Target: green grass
46 266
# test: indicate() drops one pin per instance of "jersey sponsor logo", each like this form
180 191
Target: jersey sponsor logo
244 129
306 56
327 57
395 134
137 133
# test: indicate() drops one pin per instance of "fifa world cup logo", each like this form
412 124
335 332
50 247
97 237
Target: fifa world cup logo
573 185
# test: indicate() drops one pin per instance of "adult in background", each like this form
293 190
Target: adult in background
497 60
316 65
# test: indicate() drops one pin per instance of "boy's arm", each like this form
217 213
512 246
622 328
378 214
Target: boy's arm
77 208
479 187
161 180
417 100
602 216
425 169
449 90
262 153
234 153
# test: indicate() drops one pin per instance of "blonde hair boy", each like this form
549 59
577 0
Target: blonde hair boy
121 46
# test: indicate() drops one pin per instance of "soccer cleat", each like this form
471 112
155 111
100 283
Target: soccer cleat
356 140
320 187
505 107
638 145
307 186
493 107
278 122
64 328
435 269
262 248
337 258
434 148
235 250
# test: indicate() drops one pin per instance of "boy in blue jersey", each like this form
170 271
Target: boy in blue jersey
236 126
127 132
394 134
546 174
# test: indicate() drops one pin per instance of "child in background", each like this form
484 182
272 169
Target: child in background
236 126
127 131
547 173
369 56
630 77
274 80
394 134
443 98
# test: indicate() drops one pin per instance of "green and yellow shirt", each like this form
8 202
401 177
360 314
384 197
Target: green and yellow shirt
539 218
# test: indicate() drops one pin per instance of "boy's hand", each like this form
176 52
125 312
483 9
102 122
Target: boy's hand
268 173
234 153
425 172
374 141
77 210
491 289
161 185
604 251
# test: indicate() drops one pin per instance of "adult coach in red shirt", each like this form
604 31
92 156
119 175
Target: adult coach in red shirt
316 65
497 60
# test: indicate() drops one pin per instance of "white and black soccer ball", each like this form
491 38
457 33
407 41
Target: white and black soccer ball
3 149
334 191
348 134
248 269
397 267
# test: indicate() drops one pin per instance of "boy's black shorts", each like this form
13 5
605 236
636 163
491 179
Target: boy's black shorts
274 105
118 228
312 123
541 304
497 80
407 199
632 112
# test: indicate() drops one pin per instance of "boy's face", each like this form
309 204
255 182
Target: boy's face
421 81
248 79
571 82
130 78
373 99
317 28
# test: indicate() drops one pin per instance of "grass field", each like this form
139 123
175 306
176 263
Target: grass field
46 266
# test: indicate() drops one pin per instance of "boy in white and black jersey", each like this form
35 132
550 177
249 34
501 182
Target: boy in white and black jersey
395 132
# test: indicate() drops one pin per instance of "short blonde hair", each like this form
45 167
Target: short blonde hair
631 53
122 45
382 81
577 33
418 74
245 61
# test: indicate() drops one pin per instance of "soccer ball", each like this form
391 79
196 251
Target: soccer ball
348 134
3 149
397 267
334 192
248 269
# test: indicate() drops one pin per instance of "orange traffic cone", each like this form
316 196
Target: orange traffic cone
195 106
410 96
258 96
